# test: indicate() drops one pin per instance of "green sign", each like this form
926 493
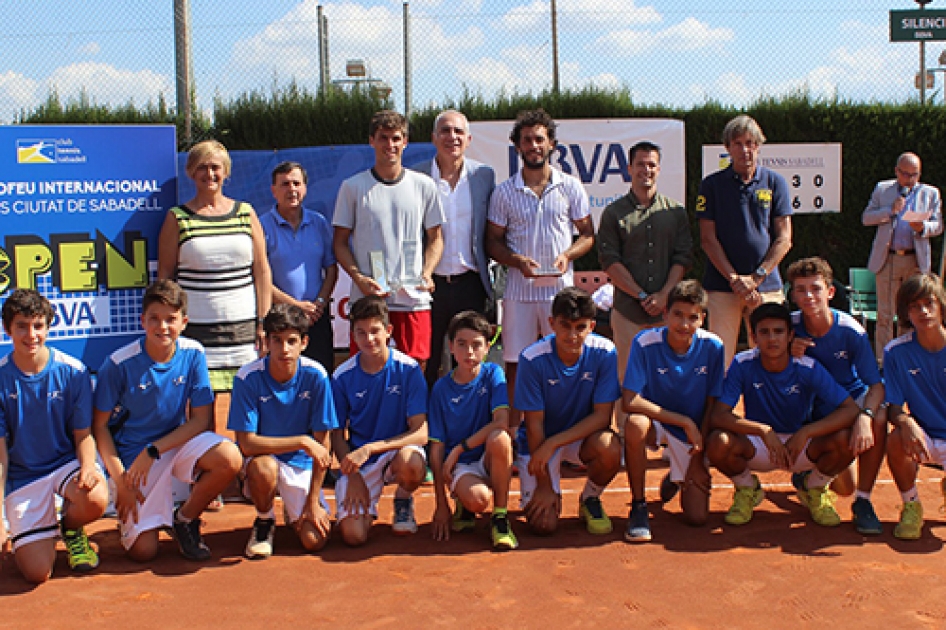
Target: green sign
917 26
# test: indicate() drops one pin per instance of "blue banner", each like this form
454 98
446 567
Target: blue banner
81 208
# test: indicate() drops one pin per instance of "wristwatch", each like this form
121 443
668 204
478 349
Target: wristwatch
153 452
320 300
642 295
867 412
761 272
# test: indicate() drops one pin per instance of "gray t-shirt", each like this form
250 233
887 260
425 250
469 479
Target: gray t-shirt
390 218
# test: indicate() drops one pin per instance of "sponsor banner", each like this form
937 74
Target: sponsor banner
595 151
813 172
81 207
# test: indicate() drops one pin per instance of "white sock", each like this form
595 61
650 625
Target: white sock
180 518
591 490
860 494
910 495
817 479
743 479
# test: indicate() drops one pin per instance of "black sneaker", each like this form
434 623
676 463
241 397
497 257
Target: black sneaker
638 523
189 540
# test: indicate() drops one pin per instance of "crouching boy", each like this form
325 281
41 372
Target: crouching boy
282 411
470 447
914 370
674 375
778 392
153 421
566 387
381 402
46 445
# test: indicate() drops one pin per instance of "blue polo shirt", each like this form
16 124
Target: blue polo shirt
745 215
298 257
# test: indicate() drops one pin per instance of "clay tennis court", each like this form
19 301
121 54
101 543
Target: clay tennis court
779 571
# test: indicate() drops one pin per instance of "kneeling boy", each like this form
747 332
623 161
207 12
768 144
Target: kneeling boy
469 426
381 401
46 445
778 392
282 411
674 375
152 421
566 387
914 369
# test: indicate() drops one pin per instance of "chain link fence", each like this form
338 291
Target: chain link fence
115 52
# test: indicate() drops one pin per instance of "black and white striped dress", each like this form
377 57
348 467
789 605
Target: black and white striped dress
215 267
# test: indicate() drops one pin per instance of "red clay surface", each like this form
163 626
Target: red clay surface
779 571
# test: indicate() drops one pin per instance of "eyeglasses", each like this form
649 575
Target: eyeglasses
908 174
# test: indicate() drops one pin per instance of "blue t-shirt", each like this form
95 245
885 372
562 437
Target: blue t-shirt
303 405
678 382
152 397
844 351
917 377
298 258
567 394
745 219
376 406
782 400
458 411
38 414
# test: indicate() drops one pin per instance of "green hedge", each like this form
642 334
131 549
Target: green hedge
872 135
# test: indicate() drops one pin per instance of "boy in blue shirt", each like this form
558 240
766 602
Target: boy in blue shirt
46 445
566 387
282 411
842 347
778 392
381 402
674 374
915 374
153 420
470 447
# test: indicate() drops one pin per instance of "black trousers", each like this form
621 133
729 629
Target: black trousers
452 295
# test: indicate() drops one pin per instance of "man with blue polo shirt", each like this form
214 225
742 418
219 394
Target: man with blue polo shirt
777 393
566 389
745 230
299 249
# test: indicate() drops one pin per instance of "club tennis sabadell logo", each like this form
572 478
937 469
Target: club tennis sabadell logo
48 151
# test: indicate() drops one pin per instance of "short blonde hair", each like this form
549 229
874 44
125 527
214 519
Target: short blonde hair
202 151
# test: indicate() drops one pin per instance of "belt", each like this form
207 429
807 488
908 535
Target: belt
903 252
456 277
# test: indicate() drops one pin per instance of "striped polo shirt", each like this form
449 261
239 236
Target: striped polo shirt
538 227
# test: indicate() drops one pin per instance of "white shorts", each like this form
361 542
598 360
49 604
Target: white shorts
568 453
676 450
158 507
937 449
31 510
376 476
293 485
523 324
763 463
477 469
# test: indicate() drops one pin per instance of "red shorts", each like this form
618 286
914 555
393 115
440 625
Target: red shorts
411 334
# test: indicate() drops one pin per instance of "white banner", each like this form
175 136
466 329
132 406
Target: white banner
813 172
595 151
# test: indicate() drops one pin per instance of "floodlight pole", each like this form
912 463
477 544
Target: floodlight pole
555 76
183 67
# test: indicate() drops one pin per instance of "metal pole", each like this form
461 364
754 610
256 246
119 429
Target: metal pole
408 85
184 67
322 25
555 76
922 73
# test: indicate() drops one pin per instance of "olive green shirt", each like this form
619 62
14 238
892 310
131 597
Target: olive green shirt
648 241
